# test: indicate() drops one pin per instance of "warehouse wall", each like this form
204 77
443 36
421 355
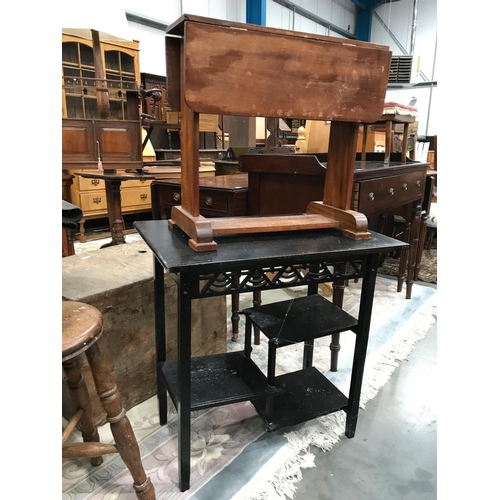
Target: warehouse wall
397 17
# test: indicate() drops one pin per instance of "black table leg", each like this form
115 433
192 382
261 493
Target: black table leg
184 376
360 349
160 338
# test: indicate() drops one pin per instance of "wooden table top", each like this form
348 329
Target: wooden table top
229 182
113 176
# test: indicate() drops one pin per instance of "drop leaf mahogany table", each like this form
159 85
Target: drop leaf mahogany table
252 70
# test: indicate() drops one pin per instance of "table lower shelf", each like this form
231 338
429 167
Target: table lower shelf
220 379
307 394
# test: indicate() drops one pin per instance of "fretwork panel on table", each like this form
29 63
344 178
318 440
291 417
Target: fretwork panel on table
274 277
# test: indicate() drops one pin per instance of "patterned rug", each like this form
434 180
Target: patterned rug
428 265
232 456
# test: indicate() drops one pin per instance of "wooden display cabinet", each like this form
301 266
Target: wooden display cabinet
121 66
89 138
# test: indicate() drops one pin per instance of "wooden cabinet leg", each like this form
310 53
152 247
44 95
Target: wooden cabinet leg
403 257
338 299
414 244
421 243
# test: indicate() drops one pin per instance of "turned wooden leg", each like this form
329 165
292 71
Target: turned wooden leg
421 243
235 306
115 217
388 141
414 243
339 285
121 429
82 238
403 258
81 398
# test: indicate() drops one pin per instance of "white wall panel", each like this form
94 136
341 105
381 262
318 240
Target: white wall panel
341 13
397 16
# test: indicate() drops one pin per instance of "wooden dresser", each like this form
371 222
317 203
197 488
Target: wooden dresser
220 196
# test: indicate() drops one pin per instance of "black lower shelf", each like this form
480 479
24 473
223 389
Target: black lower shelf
220 379
307 394
299 320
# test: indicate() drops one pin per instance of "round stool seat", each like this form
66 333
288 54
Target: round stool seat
81 327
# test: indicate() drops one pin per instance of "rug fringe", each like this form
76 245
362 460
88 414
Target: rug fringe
324 432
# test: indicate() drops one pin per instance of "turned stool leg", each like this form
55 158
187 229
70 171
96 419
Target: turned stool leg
121 429
81 399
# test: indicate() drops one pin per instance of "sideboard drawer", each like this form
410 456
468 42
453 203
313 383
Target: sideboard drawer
211 202
375 195
225 196
136 197
94 201
140 183
90 184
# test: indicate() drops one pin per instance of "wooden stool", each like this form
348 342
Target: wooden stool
81 329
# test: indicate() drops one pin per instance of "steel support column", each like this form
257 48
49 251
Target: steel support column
364 17
256 12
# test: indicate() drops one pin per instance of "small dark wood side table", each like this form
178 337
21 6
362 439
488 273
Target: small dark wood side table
297 258
113 183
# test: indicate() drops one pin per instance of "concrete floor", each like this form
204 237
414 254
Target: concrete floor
393 455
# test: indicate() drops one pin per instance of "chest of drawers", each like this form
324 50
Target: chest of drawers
220 196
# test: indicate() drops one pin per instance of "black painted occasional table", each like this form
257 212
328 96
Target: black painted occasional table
246 263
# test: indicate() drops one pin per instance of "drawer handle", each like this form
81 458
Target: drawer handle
371 196
391 191
96 200
177 196
209 201
417 183
95 182
144 196
405 187
142 180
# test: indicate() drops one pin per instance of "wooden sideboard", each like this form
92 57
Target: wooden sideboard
286 184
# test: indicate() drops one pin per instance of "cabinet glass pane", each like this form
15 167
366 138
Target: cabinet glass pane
90 107
112 61
88 78
71 76
127 64
128 83
74 107
113 80
70 52
86 55
116 112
